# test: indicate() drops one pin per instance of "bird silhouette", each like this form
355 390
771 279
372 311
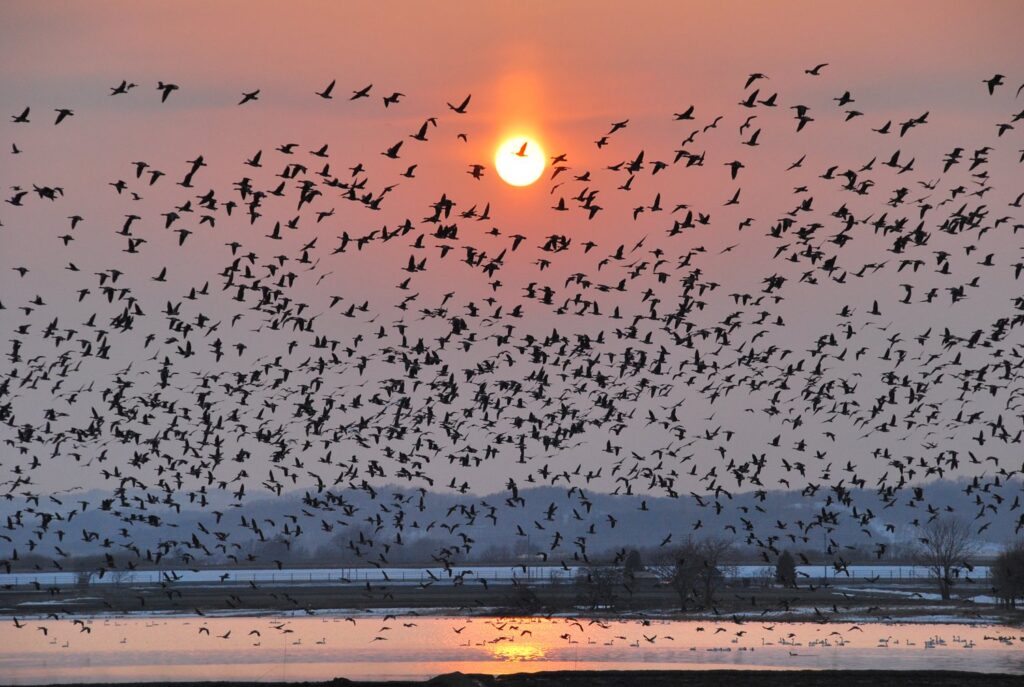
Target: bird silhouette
313 353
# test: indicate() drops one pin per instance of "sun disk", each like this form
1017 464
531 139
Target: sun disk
519 161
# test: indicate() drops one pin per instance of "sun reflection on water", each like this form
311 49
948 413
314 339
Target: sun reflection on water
419 647
517 652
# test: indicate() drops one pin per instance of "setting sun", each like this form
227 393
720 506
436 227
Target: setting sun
519 161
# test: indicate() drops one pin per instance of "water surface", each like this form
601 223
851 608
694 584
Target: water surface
388 647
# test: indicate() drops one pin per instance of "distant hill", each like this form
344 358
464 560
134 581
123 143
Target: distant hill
400 526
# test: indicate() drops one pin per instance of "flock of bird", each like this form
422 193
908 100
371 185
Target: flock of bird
653 363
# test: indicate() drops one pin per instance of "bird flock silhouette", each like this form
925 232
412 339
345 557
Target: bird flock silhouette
197 350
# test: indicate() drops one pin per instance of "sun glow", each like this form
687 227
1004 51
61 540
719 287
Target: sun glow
519 161
517 652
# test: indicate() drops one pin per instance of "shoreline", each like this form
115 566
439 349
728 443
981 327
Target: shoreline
824 604
908 615
651 678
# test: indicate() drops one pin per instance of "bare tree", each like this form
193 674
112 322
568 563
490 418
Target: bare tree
632 564
785 570
678 569
693 570
1007 574
598 584
713 551
946 547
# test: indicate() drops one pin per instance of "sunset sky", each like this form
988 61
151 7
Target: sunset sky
560 72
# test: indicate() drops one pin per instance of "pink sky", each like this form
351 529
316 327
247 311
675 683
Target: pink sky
562 70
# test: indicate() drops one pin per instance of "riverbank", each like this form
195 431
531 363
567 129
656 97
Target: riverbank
848 602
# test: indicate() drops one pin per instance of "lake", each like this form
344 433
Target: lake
378 647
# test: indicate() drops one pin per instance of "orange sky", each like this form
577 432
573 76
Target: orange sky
559 70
